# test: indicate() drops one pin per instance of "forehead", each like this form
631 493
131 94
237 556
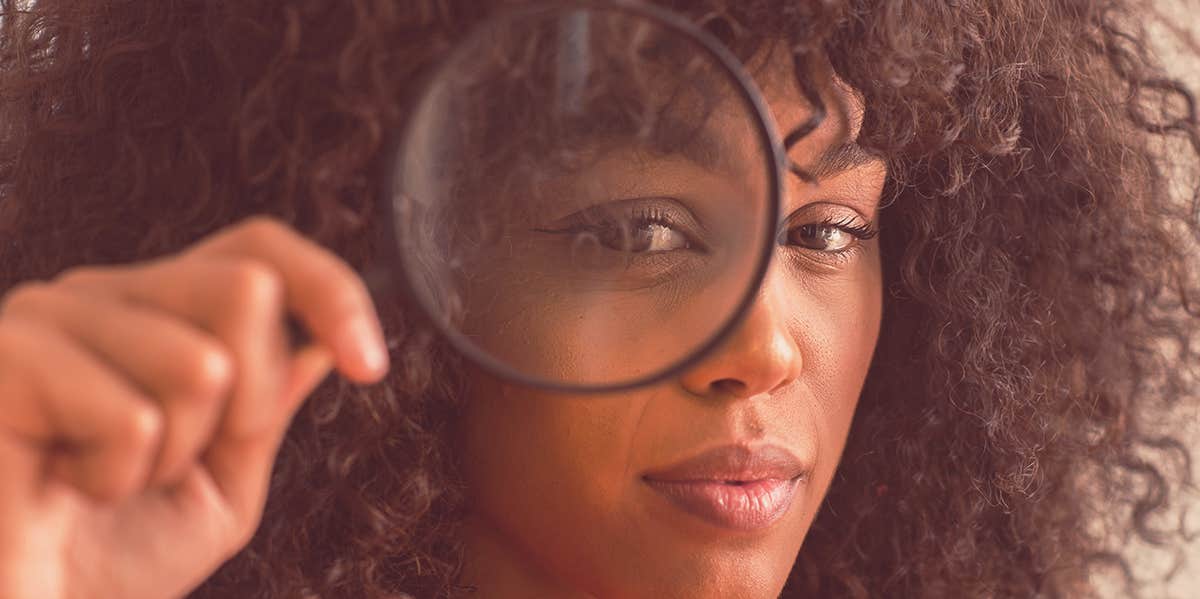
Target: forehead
831 147
725 142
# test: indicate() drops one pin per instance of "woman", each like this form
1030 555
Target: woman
967 404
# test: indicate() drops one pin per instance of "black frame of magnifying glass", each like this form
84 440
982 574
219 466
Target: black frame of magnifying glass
379 278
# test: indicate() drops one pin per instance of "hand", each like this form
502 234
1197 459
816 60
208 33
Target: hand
142 406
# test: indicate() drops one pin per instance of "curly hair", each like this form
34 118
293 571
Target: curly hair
1012 437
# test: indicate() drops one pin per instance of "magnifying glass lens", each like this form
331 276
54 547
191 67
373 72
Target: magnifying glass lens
585 197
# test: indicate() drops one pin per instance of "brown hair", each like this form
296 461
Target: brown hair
1038 318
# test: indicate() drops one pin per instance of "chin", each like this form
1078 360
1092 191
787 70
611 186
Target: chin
722 576
687 558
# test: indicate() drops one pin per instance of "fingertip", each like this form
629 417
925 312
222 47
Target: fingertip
362 353
375 362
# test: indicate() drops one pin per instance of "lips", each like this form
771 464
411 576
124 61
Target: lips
734 487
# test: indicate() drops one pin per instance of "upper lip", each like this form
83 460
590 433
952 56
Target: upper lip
740 463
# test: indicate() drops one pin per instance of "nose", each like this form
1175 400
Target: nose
760 356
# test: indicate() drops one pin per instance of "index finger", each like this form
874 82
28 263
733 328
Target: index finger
322 291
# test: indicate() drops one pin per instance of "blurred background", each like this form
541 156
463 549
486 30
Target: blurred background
1175 35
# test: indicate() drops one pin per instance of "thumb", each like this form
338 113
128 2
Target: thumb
309 366
242 469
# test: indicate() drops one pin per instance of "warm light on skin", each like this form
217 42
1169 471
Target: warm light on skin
559 508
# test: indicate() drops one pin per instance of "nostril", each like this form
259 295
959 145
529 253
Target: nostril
731 386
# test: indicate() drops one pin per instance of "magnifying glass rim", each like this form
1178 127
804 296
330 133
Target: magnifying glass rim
767 134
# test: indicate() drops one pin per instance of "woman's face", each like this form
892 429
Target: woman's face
704 485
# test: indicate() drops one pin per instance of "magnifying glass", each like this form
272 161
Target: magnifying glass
586 195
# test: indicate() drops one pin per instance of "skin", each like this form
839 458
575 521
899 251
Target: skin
559 507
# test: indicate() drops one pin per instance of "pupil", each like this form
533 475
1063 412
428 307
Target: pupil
817 237
636 238
639 238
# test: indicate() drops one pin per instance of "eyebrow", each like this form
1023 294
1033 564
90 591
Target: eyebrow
706 150
838 159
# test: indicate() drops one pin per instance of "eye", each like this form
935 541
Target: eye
832 236
644 235
632 226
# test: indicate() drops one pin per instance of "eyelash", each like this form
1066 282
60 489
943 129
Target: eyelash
639 216
652 216
863 232
860 232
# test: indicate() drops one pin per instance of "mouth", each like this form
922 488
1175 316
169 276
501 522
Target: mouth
733 487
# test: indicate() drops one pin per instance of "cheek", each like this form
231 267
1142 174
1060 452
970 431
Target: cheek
841 341
605 328
537 465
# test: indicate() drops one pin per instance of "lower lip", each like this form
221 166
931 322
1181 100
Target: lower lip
753 505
